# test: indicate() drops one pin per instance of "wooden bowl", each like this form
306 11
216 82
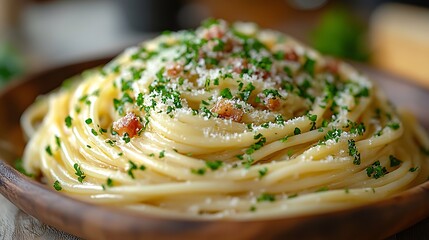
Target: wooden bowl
374 221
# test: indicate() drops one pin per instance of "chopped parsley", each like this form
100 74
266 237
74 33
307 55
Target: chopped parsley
79 173
126 138
258 145
413 169
376 170
226 93
263 171
220 45
353 152
393 125
199 171
394 161
162 154
285 138
94 132
48 150
109 183
209 22
356 128
266 197
309 66
334 134
311 117
133 167
214 165
57 185
68 120
297 131
322 189
88 121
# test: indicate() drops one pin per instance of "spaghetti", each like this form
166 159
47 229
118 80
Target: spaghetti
224 122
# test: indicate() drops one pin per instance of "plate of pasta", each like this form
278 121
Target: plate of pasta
209 132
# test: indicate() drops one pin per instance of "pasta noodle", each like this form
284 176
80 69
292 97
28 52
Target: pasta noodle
227 121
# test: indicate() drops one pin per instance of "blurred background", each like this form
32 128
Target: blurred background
41 34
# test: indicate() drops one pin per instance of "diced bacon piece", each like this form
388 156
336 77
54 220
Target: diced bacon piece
229 45
332 66
129 124
174 70
262 73
225 109
272 104
213 31
291 56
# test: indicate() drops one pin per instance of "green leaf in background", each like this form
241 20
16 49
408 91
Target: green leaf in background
339 34
10 63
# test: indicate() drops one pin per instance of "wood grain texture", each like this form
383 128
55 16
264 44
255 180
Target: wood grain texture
375 221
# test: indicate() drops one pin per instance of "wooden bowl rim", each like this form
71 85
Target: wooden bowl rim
71 215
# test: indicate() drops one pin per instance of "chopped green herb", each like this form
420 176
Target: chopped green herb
393 125
376 170
309 66
58 141
288 71
279 120
94 132
334 134
364 92
109 182
256 146
126 138
325 123
263 171
252 208
68 120
322 189
88 121
266 197
214 165
79 173
57 185
48 150
394 161
132 167
226 93
297 131
199 171
265 63
219 46
353 151
413 169
161 154
209 22
312 118
356 128
284 139
279 55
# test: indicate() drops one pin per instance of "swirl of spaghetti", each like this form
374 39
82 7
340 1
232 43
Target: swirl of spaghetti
227 121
